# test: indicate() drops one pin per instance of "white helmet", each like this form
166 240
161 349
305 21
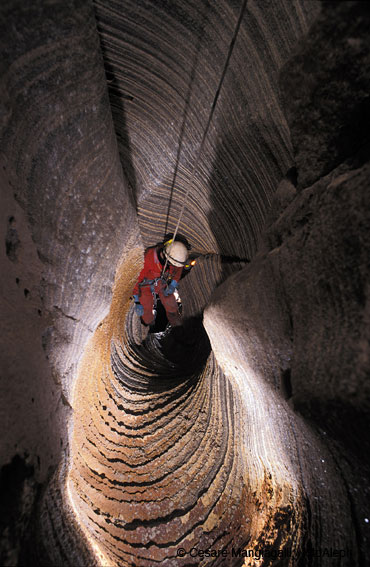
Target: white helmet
176 253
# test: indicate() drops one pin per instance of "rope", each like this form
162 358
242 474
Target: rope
186 107
231 47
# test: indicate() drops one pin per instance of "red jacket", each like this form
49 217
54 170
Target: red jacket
153 269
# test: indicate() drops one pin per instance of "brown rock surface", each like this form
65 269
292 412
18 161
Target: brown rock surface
251 431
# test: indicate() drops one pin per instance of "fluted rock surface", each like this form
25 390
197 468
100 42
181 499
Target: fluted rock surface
274 330
155 466
59 142
164 61
244 436
300 331
68 220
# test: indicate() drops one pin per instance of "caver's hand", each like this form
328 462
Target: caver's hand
138 307
170 288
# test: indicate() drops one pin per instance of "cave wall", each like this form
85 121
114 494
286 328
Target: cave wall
66 219
302 318
103 108
177 52
164 61
59 142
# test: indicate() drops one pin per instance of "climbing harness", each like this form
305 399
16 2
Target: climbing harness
152 283
195 165
147 282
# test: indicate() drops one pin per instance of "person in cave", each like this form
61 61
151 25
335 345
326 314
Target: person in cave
163 268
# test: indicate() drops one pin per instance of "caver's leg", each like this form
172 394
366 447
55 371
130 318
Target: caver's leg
146 300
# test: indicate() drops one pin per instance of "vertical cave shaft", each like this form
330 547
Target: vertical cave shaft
154 465
253 433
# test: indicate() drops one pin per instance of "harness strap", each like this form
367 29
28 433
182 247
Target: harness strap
146 283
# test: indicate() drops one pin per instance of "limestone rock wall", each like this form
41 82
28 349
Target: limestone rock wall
252 433
299 338
155 467
59 142
164 61
66 219
326 98
301 375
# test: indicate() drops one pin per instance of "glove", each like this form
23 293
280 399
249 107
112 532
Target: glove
138 307
170 288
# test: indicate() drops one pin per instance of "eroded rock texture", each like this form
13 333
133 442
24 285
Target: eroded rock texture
252 431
